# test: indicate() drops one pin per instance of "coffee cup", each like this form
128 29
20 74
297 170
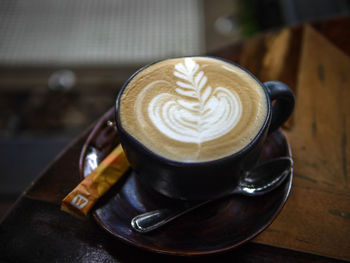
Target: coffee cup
190 127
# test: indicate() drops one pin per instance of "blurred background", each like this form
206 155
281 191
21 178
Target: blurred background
63 62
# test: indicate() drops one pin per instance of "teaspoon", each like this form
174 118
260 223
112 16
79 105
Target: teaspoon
258 181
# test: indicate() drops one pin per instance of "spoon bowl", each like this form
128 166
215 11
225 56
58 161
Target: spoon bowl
265 177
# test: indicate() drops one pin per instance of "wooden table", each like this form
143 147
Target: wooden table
315 223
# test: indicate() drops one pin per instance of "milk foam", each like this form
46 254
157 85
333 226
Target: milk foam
193 109
198 112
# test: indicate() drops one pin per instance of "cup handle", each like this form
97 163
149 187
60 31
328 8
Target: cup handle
284 103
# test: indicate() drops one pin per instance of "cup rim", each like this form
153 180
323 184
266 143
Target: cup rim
230 157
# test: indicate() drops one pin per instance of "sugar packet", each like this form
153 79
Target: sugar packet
84 196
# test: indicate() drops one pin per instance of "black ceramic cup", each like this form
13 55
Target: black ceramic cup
211 179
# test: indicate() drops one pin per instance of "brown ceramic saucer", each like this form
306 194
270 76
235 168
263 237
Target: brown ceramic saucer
218 226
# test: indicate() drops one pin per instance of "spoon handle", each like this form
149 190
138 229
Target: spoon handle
149 221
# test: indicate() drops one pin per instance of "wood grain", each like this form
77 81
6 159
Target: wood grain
316 218
322 111
274 56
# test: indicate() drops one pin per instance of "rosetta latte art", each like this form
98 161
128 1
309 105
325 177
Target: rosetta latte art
197 112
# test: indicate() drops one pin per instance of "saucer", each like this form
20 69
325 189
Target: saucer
215 227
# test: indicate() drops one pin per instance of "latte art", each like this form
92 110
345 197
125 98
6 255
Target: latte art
198 112
193 109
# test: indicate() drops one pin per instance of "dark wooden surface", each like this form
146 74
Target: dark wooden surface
37 231
314 225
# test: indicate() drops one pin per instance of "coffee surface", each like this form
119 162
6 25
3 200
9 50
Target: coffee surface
193 109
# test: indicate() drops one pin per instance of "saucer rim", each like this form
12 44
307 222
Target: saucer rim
199 252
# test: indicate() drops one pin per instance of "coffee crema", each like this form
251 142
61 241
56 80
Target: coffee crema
193 109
